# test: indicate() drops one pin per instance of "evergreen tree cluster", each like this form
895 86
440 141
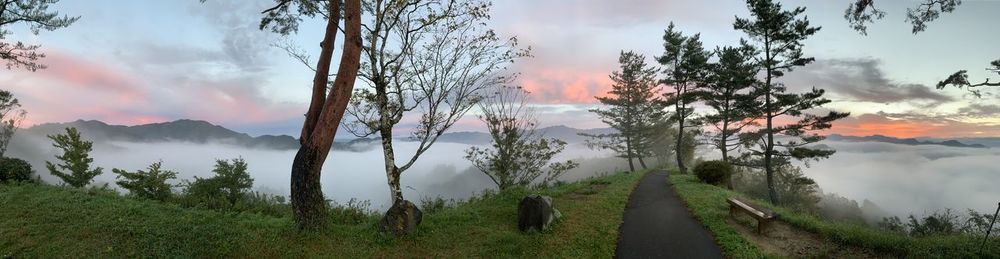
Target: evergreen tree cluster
749 113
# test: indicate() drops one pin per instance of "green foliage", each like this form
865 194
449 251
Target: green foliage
430 205
11 116
46 222
779 35
632 107
703 197
713 172
13 169
687 69
75 158
941 223
35 15
230 185
518 155
149 184
708 204
727 92
793 188
353 212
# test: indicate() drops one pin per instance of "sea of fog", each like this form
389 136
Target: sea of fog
905 179
901 179
440 172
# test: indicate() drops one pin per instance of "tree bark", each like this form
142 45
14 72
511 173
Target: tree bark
308 203
628 153
680 140
642 163
771 193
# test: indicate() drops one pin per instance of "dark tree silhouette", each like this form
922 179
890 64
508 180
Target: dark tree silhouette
11 116
960 79
36 15
633 109
779 34
860 13
729 94
687 70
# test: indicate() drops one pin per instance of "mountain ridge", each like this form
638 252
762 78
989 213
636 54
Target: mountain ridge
902 141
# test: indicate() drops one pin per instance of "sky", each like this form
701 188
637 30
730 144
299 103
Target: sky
136 62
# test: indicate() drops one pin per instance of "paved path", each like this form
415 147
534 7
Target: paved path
658 225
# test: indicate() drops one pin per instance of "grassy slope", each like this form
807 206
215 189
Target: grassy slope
49 221
709 205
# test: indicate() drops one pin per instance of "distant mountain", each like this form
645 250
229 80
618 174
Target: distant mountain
902 141
193 131
201 132
564 133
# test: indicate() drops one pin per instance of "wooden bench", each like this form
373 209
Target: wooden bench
763 216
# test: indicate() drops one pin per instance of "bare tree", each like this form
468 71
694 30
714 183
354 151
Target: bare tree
519 155
326 108
36 15
11 116
426 57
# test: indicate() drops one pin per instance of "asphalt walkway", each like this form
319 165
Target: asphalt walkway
656 224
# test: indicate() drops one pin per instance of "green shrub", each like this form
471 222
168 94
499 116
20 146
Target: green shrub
352 213
432 205
150 184
75 159
13 169
714 172
230 185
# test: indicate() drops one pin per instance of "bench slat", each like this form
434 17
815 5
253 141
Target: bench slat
754 212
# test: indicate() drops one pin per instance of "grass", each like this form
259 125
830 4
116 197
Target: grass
708 204
49 221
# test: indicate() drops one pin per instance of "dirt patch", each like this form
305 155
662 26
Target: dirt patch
780 238
591 189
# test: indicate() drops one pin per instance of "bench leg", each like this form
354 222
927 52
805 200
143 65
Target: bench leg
761 224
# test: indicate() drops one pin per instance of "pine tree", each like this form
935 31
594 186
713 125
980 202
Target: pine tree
149 184
779 34
75 158
633 109
35 15
687 69
728 93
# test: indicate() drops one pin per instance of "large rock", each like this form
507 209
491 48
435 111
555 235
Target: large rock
535 212
401 219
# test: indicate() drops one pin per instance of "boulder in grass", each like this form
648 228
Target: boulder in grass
535 212
401 219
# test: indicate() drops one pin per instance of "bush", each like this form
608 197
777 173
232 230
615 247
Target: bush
230 185
13 169
150 184
75 159
714 172
352 213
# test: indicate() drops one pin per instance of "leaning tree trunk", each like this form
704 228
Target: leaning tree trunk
392 172
324 115
680 142
642 163
628 153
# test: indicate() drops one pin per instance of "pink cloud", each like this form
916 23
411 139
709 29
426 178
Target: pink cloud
77 88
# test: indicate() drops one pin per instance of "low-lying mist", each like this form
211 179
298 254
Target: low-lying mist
906 180
442 171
